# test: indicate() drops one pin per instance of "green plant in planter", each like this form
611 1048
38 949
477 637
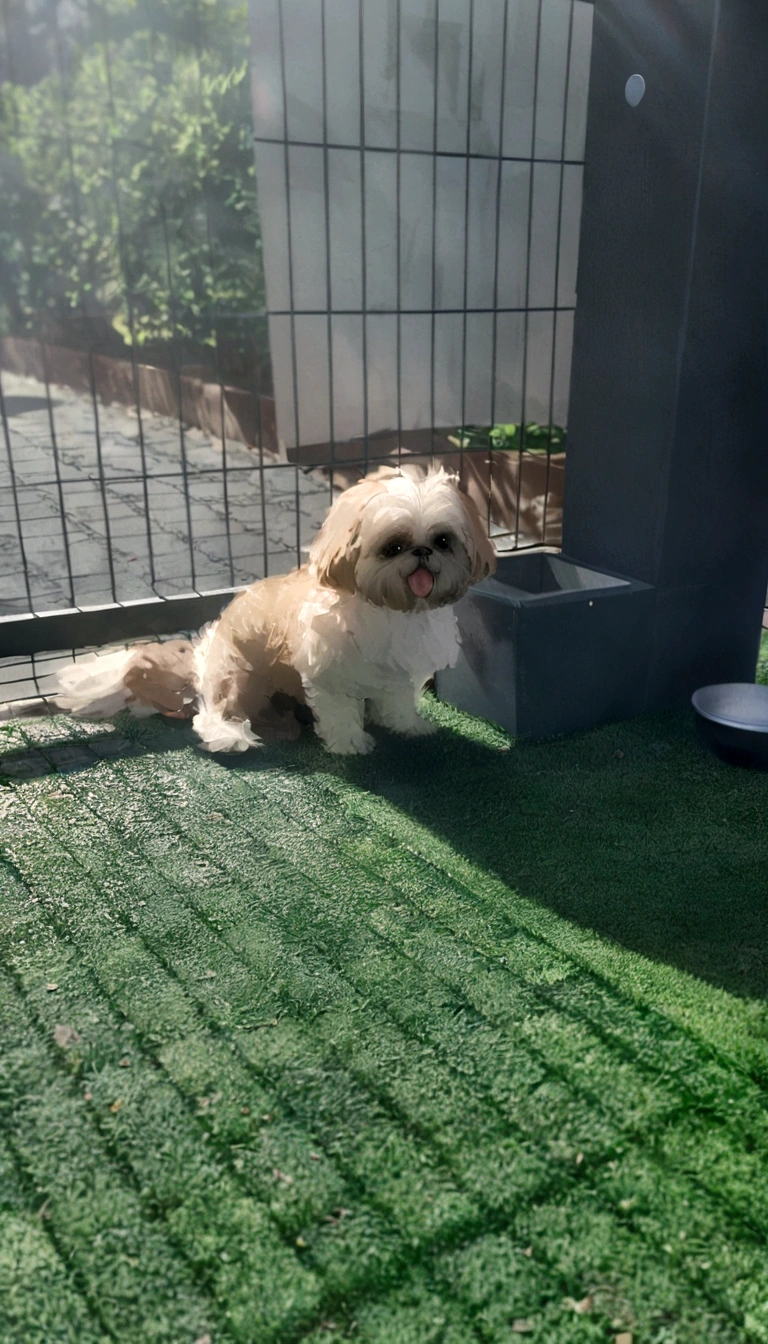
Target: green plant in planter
531 438
761 676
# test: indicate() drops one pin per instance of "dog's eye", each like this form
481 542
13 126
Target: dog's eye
392 549
442 542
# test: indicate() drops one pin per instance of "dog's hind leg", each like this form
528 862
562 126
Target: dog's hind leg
225 683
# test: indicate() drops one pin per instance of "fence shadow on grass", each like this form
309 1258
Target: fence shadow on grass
631 831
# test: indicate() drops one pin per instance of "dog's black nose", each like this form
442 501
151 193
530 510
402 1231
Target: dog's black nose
423 552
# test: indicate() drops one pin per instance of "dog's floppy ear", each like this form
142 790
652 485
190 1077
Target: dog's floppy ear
482 555
333 553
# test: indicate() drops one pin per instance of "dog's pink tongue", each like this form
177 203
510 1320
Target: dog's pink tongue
421 582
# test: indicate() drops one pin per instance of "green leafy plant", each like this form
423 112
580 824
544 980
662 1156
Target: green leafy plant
129 186
761 675
531 438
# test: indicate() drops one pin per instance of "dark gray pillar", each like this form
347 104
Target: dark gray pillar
667 469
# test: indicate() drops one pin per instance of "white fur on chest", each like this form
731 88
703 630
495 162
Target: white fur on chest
351 647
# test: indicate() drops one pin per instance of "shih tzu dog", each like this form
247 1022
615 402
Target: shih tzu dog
357 631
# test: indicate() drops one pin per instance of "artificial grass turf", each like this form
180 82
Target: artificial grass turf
438 1045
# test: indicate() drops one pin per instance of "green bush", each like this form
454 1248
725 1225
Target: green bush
130 193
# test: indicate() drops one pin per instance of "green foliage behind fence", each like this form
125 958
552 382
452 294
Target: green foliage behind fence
130 192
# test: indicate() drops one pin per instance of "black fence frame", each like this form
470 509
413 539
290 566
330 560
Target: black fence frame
37 631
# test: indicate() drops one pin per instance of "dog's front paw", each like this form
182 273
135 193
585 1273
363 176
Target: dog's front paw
419 727
398 714
354 744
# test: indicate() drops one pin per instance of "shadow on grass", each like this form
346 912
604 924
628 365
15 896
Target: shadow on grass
632 830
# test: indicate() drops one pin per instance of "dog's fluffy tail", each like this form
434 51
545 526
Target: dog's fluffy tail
95 687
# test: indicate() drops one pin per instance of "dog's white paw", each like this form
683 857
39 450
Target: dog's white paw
357 744
419 727
399 715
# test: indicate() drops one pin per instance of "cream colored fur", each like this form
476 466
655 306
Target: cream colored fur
358 630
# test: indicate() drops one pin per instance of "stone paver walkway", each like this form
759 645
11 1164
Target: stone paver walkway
154 550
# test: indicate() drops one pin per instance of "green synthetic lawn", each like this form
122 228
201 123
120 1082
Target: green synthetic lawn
465 1041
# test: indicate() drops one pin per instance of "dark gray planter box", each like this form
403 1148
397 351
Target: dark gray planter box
543 641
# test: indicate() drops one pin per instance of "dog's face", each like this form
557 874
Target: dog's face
403 541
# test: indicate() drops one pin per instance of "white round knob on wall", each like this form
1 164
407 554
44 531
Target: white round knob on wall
634 90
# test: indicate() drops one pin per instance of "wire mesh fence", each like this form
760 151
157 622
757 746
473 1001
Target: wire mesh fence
199 348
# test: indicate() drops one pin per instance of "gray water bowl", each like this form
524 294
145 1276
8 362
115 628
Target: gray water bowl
549 645
732 719
537 575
